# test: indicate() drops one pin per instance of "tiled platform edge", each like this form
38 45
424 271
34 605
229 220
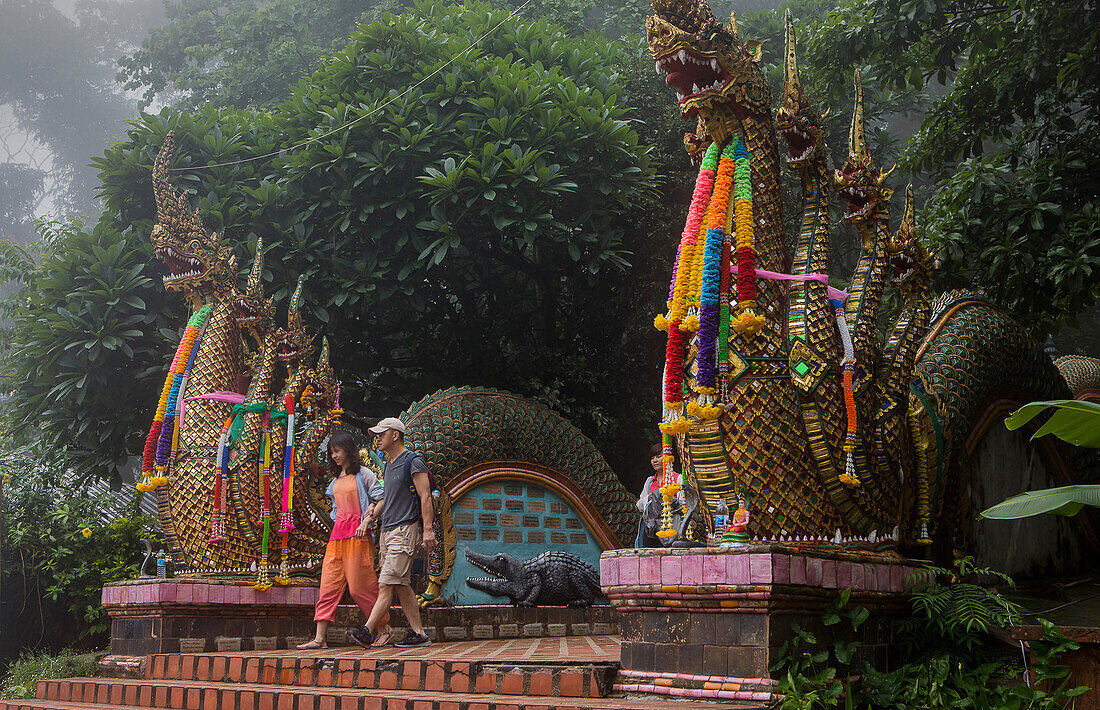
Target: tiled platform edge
708 622
151 616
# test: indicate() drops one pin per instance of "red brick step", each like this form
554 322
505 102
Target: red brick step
505 677
116 694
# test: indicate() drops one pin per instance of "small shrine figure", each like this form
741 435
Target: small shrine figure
738 531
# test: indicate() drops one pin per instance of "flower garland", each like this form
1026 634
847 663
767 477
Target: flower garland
263 580
669 487
849 477
710 287
747 321
724 318
286 519
155 455
673 421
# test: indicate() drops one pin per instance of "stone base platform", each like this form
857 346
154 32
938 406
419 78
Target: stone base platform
152 616
708 622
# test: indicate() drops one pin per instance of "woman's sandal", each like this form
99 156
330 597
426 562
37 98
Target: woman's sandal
384 637
312 644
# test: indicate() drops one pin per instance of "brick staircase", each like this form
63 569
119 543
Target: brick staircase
527 674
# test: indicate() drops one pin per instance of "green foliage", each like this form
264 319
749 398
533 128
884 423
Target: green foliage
238 53
54 571
24 673
1012 136
815 672
86 335
477 230
1063 500
1072 421
949 659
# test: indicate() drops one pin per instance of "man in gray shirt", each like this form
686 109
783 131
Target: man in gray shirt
407 517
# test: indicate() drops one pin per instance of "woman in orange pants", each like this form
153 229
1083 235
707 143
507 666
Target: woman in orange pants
349 557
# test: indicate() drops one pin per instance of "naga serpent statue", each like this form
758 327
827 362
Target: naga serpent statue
215 451
776 386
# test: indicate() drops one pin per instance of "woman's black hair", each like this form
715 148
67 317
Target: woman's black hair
656 450
344 440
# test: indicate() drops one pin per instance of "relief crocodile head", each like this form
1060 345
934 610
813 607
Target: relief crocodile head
714 73
797 121
195 257
860 182
509 578
910 262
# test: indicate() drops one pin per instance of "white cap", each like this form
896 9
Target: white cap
388 423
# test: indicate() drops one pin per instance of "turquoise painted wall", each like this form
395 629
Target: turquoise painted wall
519 518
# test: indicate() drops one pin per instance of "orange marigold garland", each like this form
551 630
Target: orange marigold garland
710 279
676 345
849 477
155 456
747 321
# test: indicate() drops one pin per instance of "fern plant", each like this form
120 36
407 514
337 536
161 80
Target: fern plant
953 612
949 658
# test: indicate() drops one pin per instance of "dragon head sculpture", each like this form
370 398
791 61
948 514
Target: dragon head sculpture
715 74
910 262
800 125
253 310
293 342
321 385
860 182
195 257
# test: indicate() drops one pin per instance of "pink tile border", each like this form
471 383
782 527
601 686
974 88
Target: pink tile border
649 569
671 571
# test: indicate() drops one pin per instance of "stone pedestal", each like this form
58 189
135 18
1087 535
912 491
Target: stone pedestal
190 615
182 615
708 622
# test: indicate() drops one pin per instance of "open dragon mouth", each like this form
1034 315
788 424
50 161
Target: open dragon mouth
690 75
287 350
902 267
800 145
859 203
246 312
181 266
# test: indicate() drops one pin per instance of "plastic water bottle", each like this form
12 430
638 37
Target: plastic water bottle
721 517
162 566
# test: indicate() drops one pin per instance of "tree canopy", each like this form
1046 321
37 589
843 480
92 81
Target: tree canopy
1011 140
475 230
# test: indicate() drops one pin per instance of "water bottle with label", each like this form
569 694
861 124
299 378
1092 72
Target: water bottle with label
162 566
721 517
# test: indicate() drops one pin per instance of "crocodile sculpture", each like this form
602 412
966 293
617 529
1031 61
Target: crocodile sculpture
236 349
828 456
551 579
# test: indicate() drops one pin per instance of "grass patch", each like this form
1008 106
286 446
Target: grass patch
25 672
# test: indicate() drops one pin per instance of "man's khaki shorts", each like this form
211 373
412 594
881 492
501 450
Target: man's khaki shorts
397 549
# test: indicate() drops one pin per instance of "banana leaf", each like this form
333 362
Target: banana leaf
1073 421
1066 500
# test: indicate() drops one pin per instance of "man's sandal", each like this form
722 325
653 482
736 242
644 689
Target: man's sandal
384 637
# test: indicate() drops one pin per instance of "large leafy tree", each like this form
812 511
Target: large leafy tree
1011 140
476 230
58 101
242 53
